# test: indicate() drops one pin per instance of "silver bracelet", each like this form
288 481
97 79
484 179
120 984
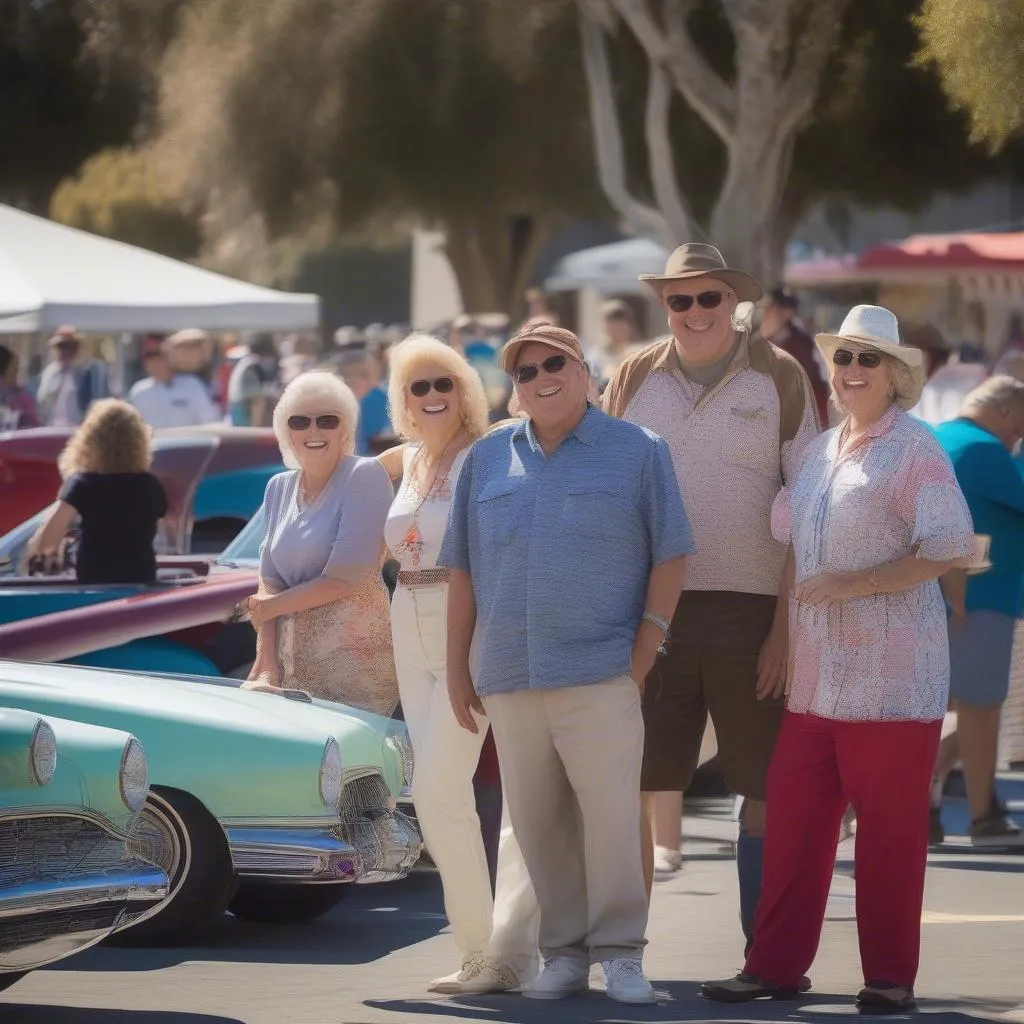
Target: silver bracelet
663 624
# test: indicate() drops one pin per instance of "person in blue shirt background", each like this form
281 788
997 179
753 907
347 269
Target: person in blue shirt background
361 372
981 444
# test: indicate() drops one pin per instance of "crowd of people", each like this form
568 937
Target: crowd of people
594 576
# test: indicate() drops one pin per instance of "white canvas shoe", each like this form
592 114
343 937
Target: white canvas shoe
479 975
562 976
625 981
666 860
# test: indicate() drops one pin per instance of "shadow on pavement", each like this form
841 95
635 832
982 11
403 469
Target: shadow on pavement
371 922
678 1003
1005 866
35 1013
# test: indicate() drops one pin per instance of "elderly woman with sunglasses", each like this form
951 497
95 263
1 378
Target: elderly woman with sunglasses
321 612
875 517
438 402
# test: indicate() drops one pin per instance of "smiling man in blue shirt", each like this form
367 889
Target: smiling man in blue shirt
566 545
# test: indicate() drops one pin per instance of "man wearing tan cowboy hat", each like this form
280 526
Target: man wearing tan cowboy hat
737 414
566 546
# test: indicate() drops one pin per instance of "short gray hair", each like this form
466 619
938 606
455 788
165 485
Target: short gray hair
999 392
316 393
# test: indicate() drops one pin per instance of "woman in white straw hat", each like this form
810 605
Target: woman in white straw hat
874 517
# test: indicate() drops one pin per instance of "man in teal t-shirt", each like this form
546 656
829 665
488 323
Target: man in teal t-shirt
984 615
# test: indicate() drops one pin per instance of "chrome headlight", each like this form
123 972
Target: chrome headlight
134 778
42 753
330 774
401 745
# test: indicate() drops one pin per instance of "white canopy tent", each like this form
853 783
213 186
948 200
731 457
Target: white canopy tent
52 275
610 269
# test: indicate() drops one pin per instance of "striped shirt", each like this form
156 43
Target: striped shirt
560 549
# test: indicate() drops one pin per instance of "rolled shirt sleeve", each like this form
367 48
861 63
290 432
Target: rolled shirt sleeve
357 548
667 522
939 519
455 546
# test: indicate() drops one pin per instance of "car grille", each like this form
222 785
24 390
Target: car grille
54 847
387 840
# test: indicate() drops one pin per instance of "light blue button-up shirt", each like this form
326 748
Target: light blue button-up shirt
560 549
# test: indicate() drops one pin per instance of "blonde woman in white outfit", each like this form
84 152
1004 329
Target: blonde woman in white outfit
438 402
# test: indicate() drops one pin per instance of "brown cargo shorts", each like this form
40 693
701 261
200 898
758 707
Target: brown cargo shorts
711 666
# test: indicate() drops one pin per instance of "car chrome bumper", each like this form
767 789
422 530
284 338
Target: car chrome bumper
66 883
388 841
289 854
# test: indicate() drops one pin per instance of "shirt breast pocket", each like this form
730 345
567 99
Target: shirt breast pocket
611 515
498 508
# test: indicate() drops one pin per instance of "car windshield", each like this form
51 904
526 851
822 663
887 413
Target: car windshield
245 548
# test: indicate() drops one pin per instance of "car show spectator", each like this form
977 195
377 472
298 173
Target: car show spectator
868 672
361 371
987 606
18 409
254 385
107 484
438 404
166 398
322 609
737 414
70 382
565 547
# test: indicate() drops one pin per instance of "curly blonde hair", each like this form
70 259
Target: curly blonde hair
316 393
412 353
113 438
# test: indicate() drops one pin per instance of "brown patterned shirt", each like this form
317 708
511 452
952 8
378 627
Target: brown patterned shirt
734 446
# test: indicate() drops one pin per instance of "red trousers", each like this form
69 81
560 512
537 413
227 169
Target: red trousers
883 769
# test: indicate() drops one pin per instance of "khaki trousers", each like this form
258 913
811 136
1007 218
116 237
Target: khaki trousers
570 764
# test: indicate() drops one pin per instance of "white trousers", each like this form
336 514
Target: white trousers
446 758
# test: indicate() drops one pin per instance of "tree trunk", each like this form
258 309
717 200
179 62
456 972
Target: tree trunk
493 260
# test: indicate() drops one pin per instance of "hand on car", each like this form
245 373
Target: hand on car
465 700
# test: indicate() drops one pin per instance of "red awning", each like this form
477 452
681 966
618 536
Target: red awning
948 252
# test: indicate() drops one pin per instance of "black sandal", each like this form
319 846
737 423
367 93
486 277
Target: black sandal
879 998
744 988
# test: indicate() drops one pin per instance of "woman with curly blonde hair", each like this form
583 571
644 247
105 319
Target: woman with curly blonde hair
107 483
438 403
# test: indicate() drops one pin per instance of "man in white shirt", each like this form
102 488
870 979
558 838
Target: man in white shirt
169 399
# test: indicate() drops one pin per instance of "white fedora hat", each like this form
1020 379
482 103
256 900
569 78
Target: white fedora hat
877 327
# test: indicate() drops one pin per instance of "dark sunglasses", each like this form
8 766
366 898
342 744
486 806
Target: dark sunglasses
553 364
706 300
869 360
328 422
421 388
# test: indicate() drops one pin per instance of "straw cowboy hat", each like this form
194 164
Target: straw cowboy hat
694 260
877 328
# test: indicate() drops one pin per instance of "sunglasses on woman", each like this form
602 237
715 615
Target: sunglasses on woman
421 388
553 364
869 360
327 422
706 300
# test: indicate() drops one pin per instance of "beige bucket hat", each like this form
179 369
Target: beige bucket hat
695 259
877 327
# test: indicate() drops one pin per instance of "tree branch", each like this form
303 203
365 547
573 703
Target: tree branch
608 148
667 194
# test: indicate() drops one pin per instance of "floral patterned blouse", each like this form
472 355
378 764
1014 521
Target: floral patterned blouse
883 657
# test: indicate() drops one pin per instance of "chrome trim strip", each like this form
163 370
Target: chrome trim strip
304 855
131 880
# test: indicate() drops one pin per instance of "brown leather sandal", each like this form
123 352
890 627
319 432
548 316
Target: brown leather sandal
743 989
879 998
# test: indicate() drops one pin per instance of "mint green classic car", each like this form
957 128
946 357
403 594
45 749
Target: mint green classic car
259 804
70 870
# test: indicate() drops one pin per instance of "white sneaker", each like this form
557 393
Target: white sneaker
666 860
562 976
478 976
626 982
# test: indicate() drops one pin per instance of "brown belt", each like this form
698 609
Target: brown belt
423 578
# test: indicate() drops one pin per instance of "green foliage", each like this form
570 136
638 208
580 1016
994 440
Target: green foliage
119 193
978 46
57 102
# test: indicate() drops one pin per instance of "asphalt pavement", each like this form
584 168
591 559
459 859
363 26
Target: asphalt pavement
368 962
